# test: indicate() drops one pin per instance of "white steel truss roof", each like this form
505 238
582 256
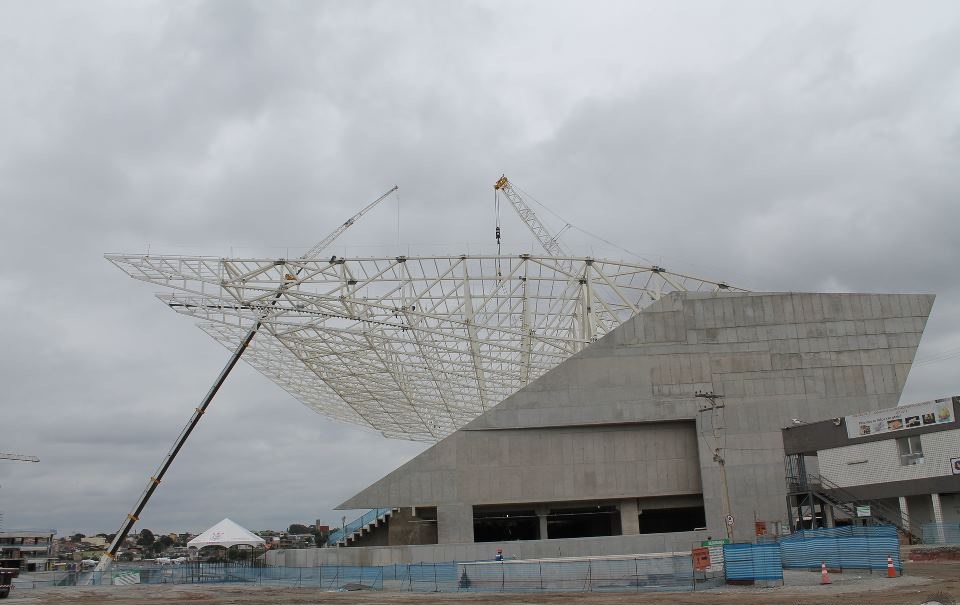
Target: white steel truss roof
412 347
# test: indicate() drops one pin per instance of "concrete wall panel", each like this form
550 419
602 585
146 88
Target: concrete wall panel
529 549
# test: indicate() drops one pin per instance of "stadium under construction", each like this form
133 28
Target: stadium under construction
580 406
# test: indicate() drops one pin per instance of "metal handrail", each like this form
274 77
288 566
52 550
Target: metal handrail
371 516
882 512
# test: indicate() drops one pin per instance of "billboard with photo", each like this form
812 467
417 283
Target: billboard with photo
937 411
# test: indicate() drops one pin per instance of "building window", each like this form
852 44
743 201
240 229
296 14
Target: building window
911 452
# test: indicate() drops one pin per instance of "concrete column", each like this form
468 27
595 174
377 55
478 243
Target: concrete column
938 517
629 517
828 515
542 518
904 513
454 524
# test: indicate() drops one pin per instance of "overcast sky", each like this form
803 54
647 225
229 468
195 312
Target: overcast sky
778 146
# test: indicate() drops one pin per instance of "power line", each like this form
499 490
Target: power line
581 230
944 356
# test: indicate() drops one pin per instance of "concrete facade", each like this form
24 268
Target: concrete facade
621 420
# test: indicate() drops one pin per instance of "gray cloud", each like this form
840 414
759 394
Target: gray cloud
789 147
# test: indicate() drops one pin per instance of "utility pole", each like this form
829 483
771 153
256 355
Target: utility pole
728 519
714 404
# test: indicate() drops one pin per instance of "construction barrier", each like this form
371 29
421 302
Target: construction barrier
613 574
671 572
940 533
850 547
752 562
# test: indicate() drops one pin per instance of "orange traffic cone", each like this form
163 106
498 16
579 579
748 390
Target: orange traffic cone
891 571
824 578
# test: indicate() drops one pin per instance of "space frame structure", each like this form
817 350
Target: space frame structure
414 347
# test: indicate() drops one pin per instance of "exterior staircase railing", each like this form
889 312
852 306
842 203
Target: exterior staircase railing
371 517
838 497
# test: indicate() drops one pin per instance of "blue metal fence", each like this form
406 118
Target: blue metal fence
940 533
752 562
851 547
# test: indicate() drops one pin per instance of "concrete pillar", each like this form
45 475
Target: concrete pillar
938 517
629 517
827 515
542 518
454 524
904 513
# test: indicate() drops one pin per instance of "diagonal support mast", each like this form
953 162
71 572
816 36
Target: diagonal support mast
107 560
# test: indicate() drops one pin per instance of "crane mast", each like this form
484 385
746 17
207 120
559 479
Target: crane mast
585 315
107 559
529 217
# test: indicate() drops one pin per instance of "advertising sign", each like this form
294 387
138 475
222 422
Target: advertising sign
701 559
863 511
715 547
938 411
955 465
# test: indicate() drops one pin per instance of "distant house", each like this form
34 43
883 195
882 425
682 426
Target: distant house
297 541
28 549
95 541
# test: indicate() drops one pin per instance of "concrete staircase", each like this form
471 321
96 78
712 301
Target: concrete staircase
358 528
834 495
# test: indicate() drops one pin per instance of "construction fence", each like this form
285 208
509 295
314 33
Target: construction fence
620 574
850 547
940 533
623 574
752 562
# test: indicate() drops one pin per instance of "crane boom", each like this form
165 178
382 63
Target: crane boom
107 559
529 217
325 242
20 457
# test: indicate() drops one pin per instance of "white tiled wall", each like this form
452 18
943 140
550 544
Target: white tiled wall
879 461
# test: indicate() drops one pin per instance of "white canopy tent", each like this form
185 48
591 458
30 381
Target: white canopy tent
226 534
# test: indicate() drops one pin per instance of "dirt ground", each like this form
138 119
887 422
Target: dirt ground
922 582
